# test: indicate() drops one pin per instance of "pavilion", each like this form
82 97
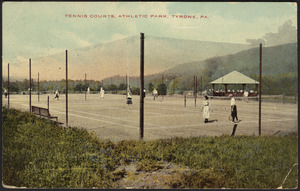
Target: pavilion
235 78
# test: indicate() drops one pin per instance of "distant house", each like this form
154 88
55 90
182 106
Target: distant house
235 78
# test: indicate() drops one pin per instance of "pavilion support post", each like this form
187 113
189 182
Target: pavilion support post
213 89
244 85
226 85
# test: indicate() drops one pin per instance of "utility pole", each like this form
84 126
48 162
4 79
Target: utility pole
126 86
48 102
8 85
142 87
30 85
67 122
260 68
201 86
174 85
38 87
195 89
85 86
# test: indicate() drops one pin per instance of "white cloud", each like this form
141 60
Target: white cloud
22 59
69 39
118 37
81 42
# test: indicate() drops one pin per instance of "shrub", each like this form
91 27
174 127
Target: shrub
37 153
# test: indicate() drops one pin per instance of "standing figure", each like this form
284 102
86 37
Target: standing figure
155 93
233 109
5 93
205 109
129 96
56 95
102 92
246 96
88 90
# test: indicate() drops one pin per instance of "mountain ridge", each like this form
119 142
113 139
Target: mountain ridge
122 57
277 60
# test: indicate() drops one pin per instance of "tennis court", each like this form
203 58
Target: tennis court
111 118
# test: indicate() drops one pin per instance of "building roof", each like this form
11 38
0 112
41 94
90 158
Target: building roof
234 77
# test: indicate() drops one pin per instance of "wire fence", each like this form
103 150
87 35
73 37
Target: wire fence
265 98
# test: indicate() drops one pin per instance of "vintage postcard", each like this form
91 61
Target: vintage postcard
158 95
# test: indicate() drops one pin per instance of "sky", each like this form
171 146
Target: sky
37 29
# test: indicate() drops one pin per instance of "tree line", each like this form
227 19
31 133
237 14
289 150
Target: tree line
280 84
75 86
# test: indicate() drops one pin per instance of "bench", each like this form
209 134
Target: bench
44 112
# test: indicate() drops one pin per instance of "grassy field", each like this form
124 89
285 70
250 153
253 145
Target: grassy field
39 154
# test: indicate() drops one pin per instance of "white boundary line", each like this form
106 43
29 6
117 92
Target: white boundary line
98 115
91 118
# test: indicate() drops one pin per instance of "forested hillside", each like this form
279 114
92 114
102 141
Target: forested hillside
279 74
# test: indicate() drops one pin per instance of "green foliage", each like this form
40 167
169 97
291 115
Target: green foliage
280 84
135 91
39 154
81 87
239 162
204 178
122 86
112 87
150 87
174 84
74 85
162 89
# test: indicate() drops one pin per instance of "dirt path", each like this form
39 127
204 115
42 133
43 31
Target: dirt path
162 178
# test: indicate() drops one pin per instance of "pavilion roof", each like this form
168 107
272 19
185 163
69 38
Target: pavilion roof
234 77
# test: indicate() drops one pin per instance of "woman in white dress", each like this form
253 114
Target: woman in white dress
102 93
205 109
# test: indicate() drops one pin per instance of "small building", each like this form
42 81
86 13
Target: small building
234 78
